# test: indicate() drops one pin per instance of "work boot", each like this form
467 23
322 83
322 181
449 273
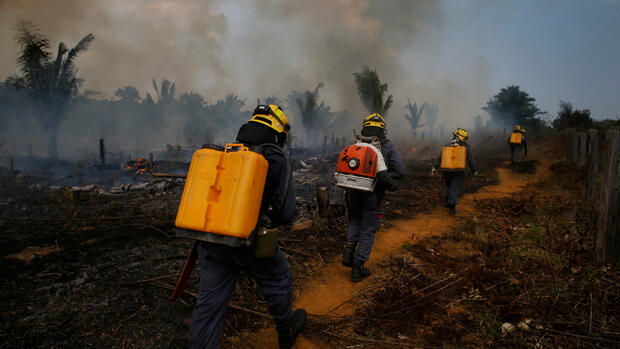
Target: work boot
359 273
347 256
289 329
452 210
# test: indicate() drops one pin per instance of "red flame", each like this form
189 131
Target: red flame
141 165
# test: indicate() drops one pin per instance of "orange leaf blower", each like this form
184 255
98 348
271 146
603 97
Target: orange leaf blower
359 164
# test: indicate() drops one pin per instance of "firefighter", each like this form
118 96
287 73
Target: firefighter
453 180
364 207
517 141
221 264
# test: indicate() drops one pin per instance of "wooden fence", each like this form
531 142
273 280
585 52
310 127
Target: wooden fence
583 150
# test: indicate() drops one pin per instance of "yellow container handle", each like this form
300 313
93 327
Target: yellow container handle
233 147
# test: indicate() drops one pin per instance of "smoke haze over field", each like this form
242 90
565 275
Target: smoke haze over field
438 51
253 49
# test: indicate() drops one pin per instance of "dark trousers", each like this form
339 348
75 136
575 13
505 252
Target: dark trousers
363 221
515 150
217 282
453 182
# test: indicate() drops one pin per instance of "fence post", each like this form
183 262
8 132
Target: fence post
592 165
582 145
608 232
570 144
102 151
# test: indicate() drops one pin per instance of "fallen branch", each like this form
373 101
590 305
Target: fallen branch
580 336
245 340
152 228
309 180
169 175
374 341
288 249
147 280
237 307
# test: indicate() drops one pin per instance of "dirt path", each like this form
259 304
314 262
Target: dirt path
332 294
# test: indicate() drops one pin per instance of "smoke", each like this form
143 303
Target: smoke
135 40
256 49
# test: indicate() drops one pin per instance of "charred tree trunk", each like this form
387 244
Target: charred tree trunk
52 144
322 200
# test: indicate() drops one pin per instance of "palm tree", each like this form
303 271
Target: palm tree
167 92
269 100
430 114
51 83
415 115
308 107
226 113
195 128
314 115
372 91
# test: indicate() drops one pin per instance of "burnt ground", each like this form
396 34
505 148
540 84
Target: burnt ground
95 269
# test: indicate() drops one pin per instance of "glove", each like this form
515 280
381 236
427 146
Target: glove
434 172
387 180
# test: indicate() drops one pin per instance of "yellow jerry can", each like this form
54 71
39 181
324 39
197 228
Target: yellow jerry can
223 191
516 138
453 158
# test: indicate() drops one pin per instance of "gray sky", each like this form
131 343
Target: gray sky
453 52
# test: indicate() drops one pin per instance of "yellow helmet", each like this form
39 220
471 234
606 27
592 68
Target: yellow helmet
461 134
518 128
374 119
271 115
